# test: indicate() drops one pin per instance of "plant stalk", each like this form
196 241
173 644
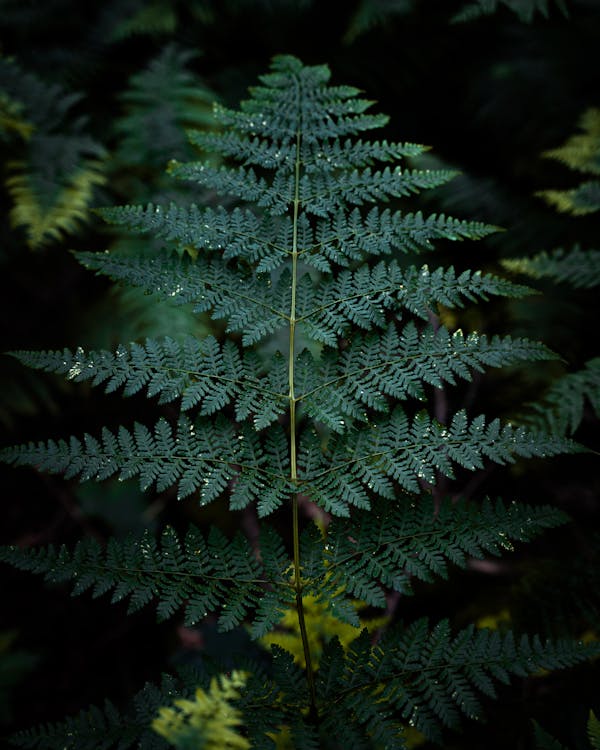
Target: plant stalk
310 676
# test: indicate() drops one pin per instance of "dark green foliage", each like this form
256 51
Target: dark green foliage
577 267
431 676
370 14
201 575
107 727
562 408
53 174
202 373
581 152
382 547
545 741
160 103
524 9
292 260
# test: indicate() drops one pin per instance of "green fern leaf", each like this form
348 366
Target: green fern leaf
160 102
240 233
389 545
107 728
397 365
561 409
201 456
195 574
51 182
593 730
544 740
209 720
11 119
305 253
582 200
432 677
154 18
406 452
524 9
251 304
361 298
577 267
581 152
200 373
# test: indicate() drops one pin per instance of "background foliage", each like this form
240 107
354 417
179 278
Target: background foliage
94 100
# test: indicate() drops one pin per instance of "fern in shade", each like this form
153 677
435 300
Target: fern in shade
562 409
525 10
160 102
580 153
56 167
304 250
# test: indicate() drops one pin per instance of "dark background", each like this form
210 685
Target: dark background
489 96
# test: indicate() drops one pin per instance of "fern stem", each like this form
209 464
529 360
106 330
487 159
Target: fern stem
293 459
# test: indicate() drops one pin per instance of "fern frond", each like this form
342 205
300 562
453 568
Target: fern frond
401 539
45 105
593 731
360 298
584 199
350 236
199 372
431 677
106 728
308 203
256 151
396 365
52 181
92 729
160 102
201 457
524 9
239 233
11 118
577 267
254 306
208 720
561 409
544 740
154 18
195 574
581 152
398 450
69 206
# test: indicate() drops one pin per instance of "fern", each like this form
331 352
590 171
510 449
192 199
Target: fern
150 18
53 181
208 721
581 153
524 9
577 267
107 727
159 102
370 14
562 408
545 741
428 675
561 411
197 574
298 254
